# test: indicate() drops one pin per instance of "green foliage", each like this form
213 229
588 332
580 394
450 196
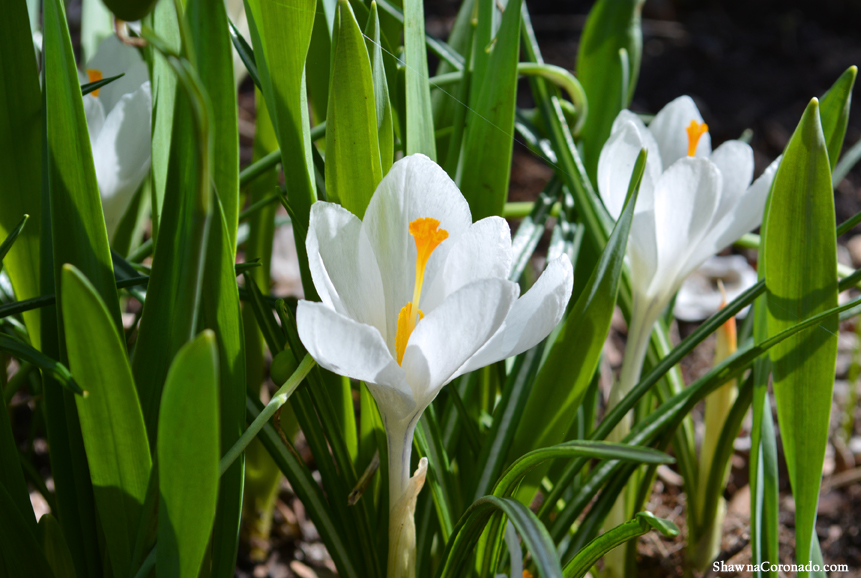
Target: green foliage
188 452
801 282
112 424
353 168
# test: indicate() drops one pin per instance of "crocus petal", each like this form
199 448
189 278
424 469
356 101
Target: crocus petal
686 197
453 332
121 153
355 350
414 187
343 266
743 217
616 164
734 159
642 250
482 252
531 319
669 128
95 113
113 57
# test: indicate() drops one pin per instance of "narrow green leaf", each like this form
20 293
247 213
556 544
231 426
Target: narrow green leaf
21 156
574 355
111 421
57 370
55 547
507 483
834 112
91 86
11 237
188 454
207 22
383 105
353 168
170 314
79 236
320 53
484 170
308 491
801 282
20 552
281 34
611 26
246 53
420 129
164 90
642 523
469 528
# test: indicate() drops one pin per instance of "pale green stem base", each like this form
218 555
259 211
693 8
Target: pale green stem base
639 333
402 532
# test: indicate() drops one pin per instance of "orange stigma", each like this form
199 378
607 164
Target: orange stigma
695 130
428 236
94 76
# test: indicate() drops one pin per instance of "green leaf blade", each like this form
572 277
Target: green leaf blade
188 454
353 168
112 424
21 156
801 258
488 143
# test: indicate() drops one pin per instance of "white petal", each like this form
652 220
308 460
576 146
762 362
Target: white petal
355 350
113 58
453 332
414 187
669 129
531 319
95 113
686 198
734 159
616 164
744 216
483 251
121 153
642 252
343 266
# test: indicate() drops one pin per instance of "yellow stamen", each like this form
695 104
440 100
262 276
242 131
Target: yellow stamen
94 76
695 130
428 236
404 331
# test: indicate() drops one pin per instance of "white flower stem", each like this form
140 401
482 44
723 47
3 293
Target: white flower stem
639 333
402 535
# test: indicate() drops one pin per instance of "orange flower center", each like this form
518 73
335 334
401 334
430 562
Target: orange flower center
695 130
94 76
428 236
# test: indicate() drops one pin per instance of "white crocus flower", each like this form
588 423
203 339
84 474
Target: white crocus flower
119 117
408 315
693 203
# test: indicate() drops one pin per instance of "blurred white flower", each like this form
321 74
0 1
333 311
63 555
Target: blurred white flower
699 297
407 316
119 117
693 203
